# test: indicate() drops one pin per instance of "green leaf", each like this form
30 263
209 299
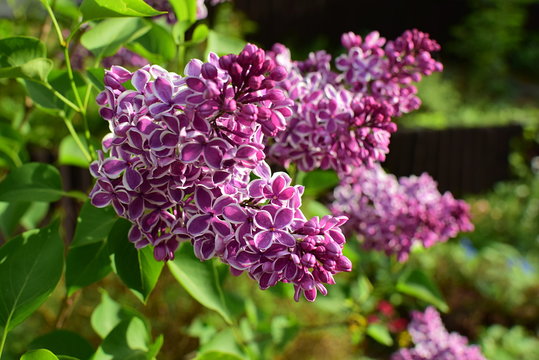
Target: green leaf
99 9
380 333
41 354
224 341
35 213
64 342
86 264
24 57
319 181
108 314
185 10
417 284
70 153
96 77
32 182
10 215
311 208
200 280
200 33
31 265
93 224
41 95
137 268
157 44
109 35
223 44
218 355
130 339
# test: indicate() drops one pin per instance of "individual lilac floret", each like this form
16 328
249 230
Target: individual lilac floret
343 120
185 165
391 215
433 342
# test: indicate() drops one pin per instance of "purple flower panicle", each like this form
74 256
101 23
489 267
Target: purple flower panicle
392 214
184 161
343 120
433 342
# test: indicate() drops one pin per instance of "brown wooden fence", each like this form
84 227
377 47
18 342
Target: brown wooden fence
462 160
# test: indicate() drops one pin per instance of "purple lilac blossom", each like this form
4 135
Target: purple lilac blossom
124 57
391 214
178 164
433 342
343 120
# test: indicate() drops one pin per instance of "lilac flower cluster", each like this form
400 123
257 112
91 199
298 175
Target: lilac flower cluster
342 120
178 164
391 215
433 342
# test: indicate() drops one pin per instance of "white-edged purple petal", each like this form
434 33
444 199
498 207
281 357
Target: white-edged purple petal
263 240
199 224
263 220
191 152
284 238
283 217
203 199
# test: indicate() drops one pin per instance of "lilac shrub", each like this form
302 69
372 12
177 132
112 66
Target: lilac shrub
178 164
392 214
433 342
343 119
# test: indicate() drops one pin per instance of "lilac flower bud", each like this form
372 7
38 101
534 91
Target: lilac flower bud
208 71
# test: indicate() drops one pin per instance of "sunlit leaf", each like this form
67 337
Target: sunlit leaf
99 9
199 279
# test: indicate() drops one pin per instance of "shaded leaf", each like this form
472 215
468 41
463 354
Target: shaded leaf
319 181
138 269
31 265
64 342
157 45
99 9
417 284
93 224
130 339
24 57
86 264
199 279
32 182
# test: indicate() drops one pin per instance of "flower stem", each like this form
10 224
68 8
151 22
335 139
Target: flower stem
61 97
75 136
54 21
